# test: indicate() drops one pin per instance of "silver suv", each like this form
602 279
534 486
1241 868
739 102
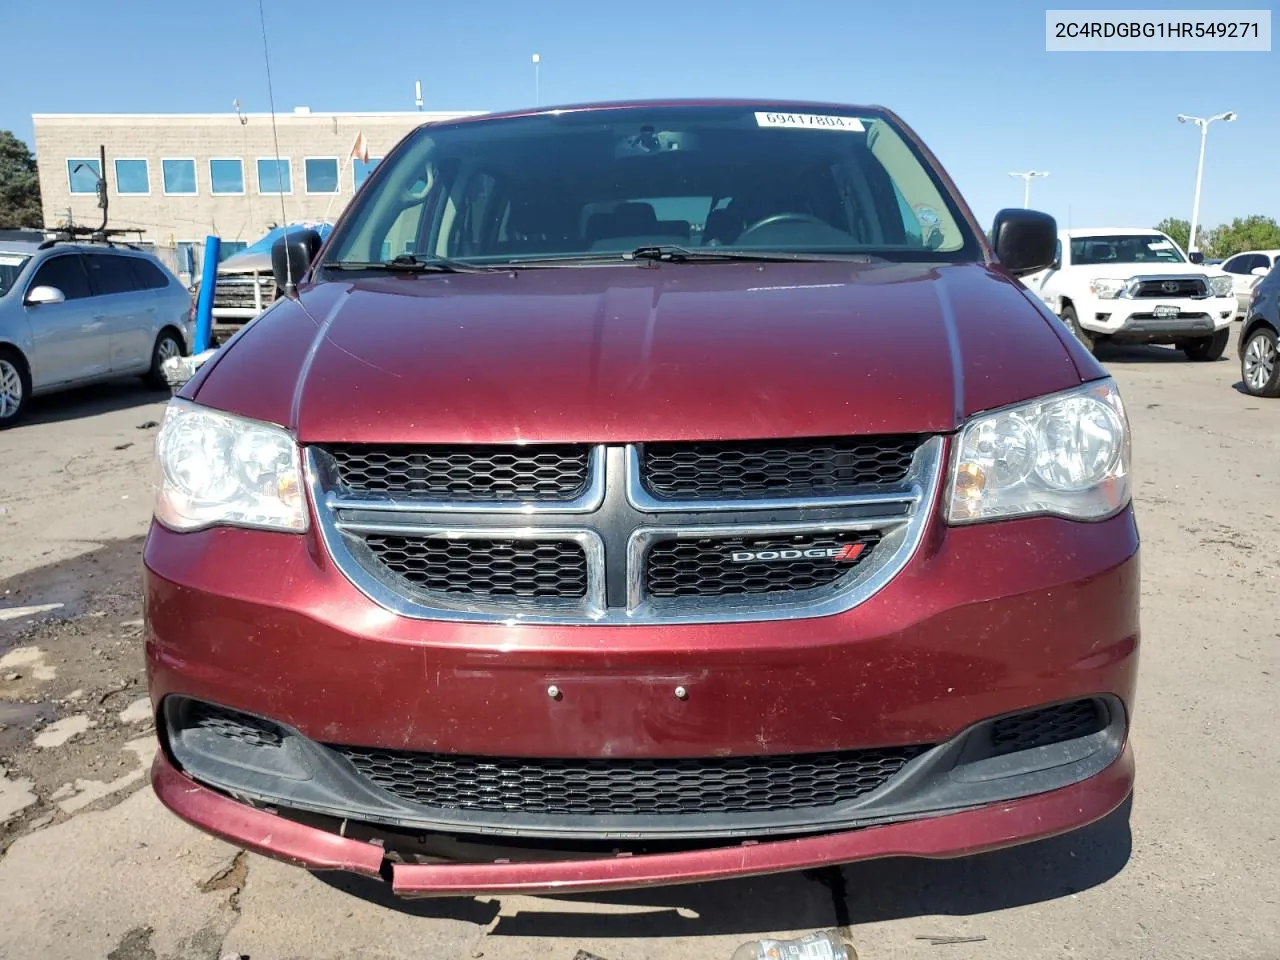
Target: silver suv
77 313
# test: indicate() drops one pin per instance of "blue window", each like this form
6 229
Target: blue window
132 177
83 175
322 174
179 177
229 248
275 177
226 176
361 170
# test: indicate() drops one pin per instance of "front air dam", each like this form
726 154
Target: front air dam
961 834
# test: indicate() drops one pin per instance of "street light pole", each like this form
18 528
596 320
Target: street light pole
1027 177
537 81
1203 124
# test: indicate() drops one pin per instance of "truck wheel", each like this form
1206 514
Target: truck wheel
1203 349
1073 324
1259 363
15 386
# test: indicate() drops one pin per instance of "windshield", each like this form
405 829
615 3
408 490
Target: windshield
597 184
11 265
1140 248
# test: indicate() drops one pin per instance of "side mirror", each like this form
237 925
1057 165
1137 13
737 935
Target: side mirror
291 257
1195 256
1260 271
1024 240
42 294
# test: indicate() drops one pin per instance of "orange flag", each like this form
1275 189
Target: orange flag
360 150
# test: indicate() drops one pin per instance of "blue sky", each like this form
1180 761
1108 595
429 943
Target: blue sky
972 78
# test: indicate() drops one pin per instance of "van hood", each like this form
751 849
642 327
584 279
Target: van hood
636 353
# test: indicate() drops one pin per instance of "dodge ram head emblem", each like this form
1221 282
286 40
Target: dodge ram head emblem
845 553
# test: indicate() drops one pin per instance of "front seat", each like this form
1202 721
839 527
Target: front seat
722 227
634 220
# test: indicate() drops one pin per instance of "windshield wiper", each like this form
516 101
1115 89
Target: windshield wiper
674 253
410 263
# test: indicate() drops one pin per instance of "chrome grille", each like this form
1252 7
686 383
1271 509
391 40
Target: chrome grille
571 534
485 568
244 291
629 787
774 468
474 473
718 567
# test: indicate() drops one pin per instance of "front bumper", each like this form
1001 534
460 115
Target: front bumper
1139 320
986 620
956 835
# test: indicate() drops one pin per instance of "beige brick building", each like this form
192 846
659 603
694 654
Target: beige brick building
181 177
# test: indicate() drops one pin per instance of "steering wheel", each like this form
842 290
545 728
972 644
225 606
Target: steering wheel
782 218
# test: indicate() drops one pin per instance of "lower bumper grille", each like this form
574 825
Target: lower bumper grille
735 566
668 798
485 568
629 787
1047 726
231 724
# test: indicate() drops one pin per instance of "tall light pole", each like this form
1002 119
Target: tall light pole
1203 124
1026 183
537 81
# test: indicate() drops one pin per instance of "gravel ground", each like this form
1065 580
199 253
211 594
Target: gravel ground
91 866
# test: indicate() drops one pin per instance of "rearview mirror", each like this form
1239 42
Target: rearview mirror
1024 240
1260 271
42 294
1195 256
291 257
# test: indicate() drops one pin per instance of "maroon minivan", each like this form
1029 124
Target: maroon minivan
643 493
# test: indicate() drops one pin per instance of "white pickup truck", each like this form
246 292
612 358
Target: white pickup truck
1133 285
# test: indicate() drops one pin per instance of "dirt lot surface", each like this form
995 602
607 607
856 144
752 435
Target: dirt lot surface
92 867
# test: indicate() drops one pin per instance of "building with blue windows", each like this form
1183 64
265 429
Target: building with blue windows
177 178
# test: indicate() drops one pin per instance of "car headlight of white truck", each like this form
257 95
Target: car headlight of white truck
1221 286
1106 289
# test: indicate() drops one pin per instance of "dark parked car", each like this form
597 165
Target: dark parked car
1259 353
693 491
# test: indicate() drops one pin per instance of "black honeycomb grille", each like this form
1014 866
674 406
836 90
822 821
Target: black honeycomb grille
629 787
775 468
485 568
1047 726
230 724
553 472
707 567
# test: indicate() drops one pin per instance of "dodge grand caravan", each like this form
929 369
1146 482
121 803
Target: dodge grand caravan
644 493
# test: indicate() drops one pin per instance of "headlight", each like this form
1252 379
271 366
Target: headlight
1066 454
1221 286
1107 289
218 469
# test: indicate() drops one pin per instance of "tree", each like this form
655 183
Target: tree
1179 231
19 185
1246 233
